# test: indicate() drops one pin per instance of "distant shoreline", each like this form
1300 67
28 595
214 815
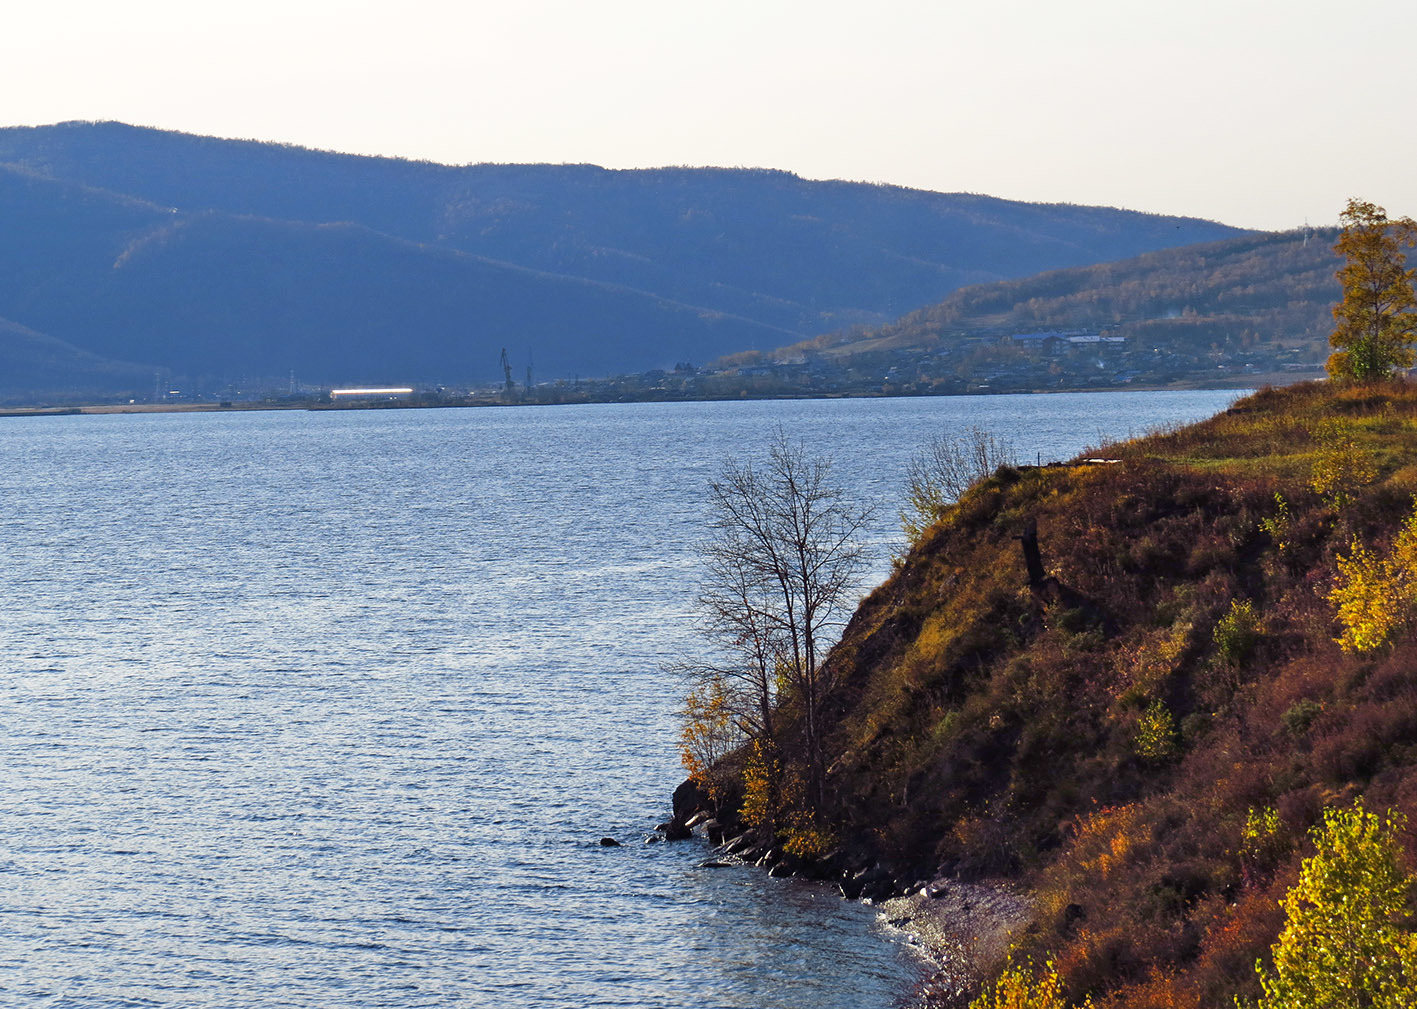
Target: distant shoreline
1237 383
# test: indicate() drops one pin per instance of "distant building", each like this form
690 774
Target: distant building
390 392
1047 343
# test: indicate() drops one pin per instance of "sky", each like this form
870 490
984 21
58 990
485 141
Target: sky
1257 114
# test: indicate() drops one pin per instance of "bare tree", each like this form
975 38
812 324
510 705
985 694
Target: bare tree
782 562
943 470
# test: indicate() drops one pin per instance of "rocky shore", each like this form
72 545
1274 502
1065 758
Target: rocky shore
965 929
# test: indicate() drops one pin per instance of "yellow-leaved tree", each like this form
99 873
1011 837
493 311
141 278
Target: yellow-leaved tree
1375 322
1376 596
1345 944
1019 988
1342 466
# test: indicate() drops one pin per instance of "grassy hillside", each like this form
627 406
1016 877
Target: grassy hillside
1245 289
1251 304
1104 737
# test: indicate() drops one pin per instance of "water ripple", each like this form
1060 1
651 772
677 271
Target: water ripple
331 709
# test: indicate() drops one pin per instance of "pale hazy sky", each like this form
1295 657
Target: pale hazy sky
1256 113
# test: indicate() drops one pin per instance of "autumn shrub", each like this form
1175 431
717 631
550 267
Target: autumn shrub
1237 632
1264 841
1375 595
1342 465
1155 740
1279 526
707 734
1300 715
1344 944
762 781
1022 987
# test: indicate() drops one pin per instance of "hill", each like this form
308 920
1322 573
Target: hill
1246 306
1141 737
342 267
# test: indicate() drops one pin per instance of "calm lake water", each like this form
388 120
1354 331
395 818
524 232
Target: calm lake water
332 709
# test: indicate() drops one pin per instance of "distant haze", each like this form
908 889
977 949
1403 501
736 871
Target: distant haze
1241 111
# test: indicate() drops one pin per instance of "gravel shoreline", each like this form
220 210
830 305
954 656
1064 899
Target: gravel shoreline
966 929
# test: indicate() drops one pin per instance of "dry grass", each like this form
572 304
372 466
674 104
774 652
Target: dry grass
985 727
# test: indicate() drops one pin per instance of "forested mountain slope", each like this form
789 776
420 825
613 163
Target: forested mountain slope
573 268
1263 300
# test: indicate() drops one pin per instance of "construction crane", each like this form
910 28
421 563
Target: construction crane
507 372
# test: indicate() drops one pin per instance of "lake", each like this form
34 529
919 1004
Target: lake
332 708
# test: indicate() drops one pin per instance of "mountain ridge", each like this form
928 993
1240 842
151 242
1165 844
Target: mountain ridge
699 262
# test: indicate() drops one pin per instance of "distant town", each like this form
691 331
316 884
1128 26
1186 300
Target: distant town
1043 361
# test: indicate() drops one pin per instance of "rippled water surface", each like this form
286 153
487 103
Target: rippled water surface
331 709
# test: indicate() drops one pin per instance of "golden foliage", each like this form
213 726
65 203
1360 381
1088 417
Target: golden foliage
1263 841
1374 596
805 837
762 775
1342 465
1279 526
1374 323
1105 839
1156 734
707 732
1019 988
1344 945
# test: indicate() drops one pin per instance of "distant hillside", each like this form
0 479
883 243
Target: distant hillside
226 261
1261 302
37 366
1271 287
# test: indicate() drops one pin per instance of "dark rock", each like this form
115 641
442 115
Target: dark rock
689 799
780 869
675 831
850 888
652 839
811 869
714 863
713 830
702 816
738 844
874 874
609 842
834 864
881 889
